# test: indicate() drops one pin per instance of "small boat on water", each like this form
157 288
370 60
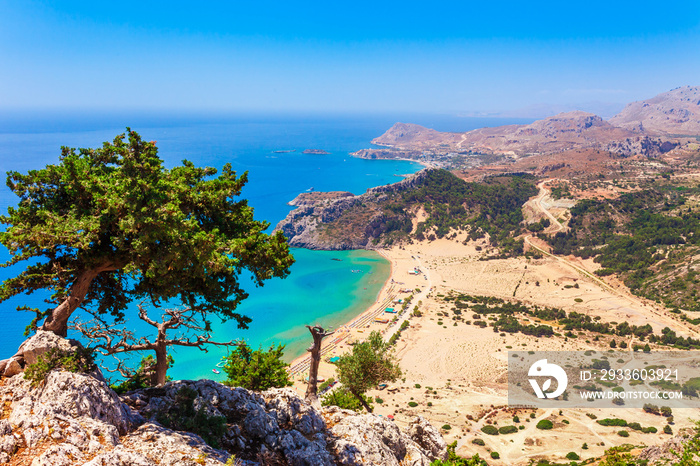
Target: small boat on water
310 189
286 151
336 259
216 371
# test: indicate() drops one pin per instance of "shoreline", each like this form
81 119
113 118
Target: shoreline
338 343
397 286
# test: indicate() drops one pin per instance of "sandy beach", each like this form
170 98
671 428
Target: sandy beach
456 373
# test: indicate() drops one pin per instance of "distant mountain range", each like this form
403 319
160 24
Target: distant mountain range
676 112
647 126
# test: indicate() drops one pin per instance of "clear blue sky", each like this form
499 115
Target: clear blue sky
423 56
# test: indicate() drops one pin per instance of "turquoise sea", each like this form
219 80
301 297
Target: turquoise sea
319 289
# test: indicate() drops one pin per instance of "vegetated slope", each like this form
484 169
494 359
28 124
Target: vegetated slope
650 238
432 204
673 112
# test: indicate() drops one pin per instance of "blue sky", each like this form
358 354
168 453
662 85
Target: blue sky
448 57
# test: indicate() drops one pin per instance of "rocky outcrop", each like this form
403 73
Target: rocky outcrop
305 226
73 418
662 454
31 349
673 112
309 199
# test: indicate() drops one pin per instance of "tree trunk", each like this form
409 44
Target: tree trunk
57 321
318 334
362 401
160 374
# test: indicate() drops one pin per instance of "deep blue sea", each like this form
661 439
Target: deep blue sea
318 290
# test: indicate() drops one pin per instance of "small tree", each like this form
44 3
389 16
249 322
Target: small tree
112 340
370 363
108 226
257 370
318 333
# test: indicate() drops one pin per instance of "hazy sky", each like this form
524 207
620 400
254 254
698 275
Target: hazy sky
452 57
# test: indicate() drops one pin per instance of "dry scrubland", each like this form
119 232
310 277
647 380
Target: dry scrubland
456 374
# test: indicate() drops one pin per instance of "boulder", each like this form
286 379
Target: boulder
40 343
428 438
12 367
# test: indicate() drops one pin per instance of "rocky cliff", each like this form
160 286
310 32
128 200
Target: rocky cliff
306 226
673 112
75 418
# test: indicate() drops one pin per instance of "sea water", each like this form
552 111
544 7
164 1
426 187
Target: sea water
327 288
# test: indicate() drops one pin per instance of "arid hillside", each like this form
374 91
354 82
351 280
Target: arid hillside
673 112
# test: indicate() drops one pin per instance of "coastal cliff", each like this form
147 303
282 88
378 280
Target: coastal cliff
433 203
307 226
77 419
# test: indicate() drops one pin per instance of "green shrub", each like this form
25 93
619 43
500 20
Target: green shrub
412 404
489 430
417 385
478 441
507 430
612 422
545 424
623 433
516 419
667 429
81 360
326 384
572 456
256 369
378 400
495 455
342 398
447 427
182 415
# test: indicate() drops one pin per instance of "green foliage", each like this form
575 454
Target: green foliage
183 416
454 460
451 204
572 456
81 360
651 408
370 363
641 236
612 422
507 430
478 441
256 370
623 433
115 219
495 455
412 404
668 430
342 398
489 429
326 384
142 378
545 424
